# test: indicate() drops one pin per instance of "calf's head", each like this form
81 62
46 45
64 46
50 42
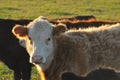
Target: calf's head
38 36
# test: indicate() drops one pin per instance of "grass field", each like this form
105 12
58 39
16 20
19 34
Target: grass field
30 9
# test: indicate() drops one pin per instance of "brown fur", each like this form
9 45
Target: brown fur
84 50
65 58
59 29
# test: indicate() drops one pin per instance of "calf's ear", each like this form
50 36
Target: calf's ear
20 31
58 29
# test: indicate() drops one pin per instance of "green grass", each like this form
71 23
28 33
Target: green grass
31 9
7 74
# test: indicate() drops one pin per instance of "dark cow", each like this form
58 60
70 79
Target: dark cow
11 53
70 76
87 17
83 23
100 74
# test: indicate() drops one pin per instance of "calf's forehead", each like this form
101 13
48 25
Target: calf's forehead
40 28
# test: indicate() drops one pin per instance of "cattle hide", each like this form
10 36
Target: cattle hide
78 51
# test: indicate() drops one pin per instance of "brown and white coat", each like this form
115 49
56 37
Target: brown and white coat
79 51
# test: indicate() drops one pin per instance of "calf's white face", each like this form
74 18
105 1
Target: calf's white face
37 38
40 44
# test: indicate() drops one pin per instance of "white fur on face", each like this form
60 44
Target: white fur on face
40 43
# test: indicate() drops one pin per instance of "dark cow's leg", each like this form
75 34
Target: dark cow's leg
26 73
23 74
17 75
70 76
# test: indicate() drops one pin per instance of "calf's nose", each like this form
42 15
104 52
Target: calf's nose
36 59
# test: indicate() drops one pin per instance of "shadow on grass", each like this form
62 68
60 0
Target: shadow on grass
9 8
61 13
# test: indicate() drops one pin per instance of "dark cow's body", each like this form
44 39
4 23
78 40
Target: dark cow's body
70 76
100 74
11 53
77 18
83 23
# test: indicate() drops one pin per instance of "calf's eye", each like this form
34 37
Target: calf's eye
47 41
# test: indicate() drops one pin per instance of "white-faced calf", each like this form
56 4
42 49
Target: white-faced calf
79 51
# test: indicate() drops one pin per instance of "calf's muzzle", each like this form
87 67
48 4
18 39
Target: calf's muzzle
37 59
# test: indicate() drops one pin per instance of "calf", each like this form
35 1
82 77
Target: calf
13 55
79 51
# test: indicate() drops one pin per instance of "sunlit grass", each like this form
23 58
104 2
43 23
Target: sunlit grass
7 74
30 9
